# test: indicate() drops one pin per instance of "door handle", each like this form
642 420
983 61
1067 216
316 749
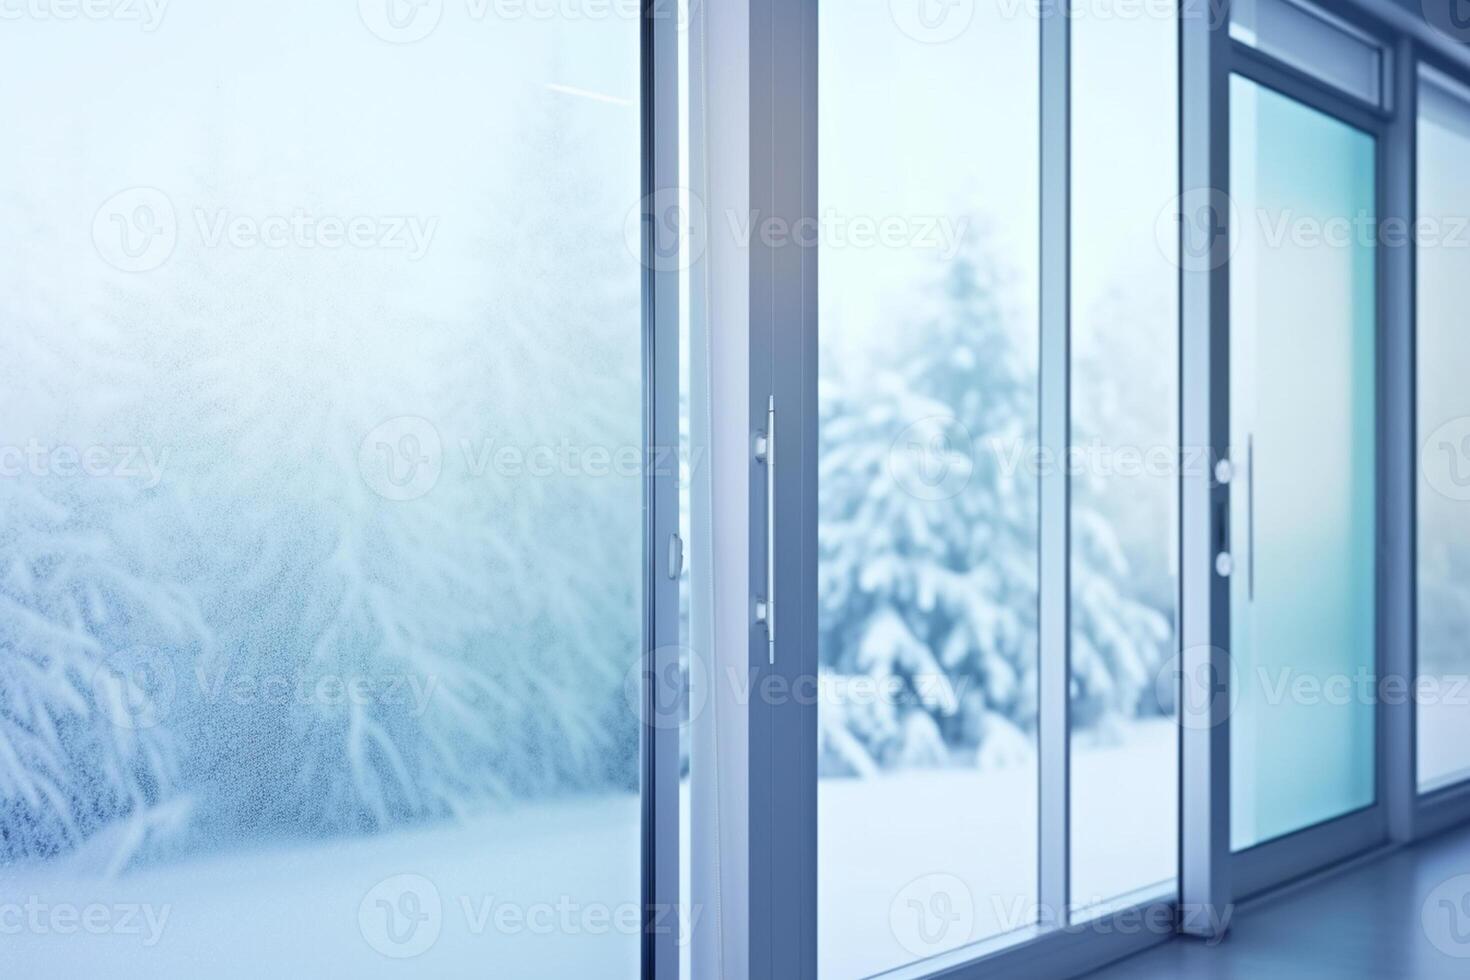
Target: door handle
1250 516
765 605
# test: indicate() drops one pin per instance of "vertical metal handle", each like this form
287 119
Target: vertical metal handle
1250 516
765 605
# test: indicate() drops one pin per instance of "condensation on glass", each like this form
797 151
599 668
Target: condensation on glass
320 550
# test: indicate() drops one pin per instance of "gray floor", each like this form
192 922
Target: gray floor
1405 915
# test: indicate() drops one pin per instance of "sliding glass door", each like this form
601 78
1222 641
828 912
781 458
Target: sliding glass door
1303 472
321 548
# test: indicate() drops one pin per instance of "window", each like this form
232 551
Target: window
1124 467
321 397
927 502
1444 435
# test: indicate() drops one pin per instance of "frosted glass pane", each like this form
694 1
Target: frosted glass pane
1303 433
320 529
1125 327
927 507
1444 433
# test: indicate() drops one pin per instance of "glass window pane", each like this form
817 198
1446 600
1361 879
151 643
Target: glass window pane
1444 434
320 546
927 507
1303 433
1123 472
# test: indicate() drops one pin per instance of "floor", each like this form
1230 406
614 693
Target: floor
1403 916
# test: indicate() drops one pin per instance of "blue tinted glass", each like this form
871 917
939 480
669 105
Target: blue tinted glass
1303 437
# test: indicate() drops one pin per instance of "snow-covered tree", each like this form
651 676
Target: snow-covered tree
928 544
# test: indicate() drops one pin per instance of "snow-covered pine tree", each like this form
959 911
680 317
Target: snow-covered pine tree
938 590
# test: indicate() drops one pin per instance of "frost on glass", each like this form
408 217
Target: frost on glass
1444 433
320 507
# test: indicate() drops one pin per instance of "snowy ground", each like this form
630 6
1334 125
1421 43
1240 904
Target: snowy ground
535 894
547 892
962 845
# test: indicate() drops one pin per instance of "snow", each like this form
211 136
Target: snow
877 837
309 909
